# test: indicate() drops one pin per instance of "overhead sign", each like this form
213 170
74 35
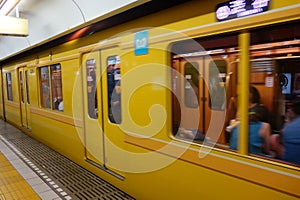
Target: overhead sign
141 43
13 26
240 8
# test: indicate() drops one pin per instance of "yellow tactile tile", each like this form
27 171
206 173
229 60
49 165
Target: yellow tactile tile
12 184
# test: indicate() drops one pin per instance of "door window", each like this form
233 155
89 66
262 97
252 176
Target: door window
113 70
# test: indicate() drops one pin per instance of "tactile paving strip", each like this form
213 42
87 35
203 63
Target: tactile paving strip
68 180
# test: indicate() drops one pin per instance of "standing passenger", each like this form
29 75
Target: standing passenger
110 85
291 135
116 103
258 136
259 128
255 105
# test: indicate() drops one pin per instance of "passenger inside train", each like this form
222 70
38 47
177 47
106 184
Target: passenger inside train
287 144
259 127
114 89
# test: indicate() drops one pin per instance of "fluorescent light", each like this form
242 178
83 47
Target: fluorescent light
8 6
13 26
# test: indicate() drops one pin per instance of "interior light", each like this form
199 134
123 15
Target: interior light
7 6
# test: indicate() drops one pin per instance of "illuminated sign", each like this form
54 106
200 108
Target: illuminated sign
240 8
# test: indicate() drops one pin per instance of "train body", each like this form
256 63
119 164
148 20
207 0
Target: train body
116 101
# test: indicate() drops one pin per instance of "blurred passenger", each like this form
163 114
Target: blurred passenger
57 102
291 135
262 113
255 105
110 86
259 128
61 106
116 103
217 91
258 135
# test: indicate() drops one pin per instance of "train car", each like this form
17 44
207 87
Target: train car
152 105
1 99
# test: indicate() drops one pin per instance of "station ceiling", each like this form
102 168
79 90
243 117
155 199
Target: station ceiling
49 20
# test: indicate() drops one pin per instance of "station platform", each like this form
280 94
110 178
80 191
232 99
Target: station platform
31 170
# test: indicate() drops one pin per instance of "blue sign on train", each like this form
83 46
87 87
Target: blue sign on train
141 43
240 8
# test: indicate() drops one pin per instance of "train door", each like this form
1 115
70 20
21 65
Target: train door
101 123
202 94
215 71
190 92
111 87
92 116
24 97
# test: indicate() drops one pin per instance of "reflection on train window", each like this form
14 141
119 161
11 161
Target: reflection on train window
275 73
21 85
91 84
273 109
114 89
9 86
56 87
191 84
217 74
51 88
205 67
45 87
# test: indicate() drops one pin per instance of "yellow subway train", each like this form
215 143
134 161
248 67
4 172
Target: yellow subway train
161 106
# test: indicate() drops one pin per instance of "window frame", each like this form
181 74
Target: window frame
114 91
46 84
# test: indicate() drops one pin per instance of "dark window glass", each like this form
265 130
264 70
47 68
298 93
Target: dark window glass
9 87
45 87
21 85
114 89
91 88
56 85
27 87
51 87
217 75
191 84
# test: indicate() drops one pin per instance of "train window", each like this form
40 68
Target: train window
191 84
91 84
51 88
205 67
45 87
56 87
275 75
21 86
274 95
114 89
9 86
27 87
